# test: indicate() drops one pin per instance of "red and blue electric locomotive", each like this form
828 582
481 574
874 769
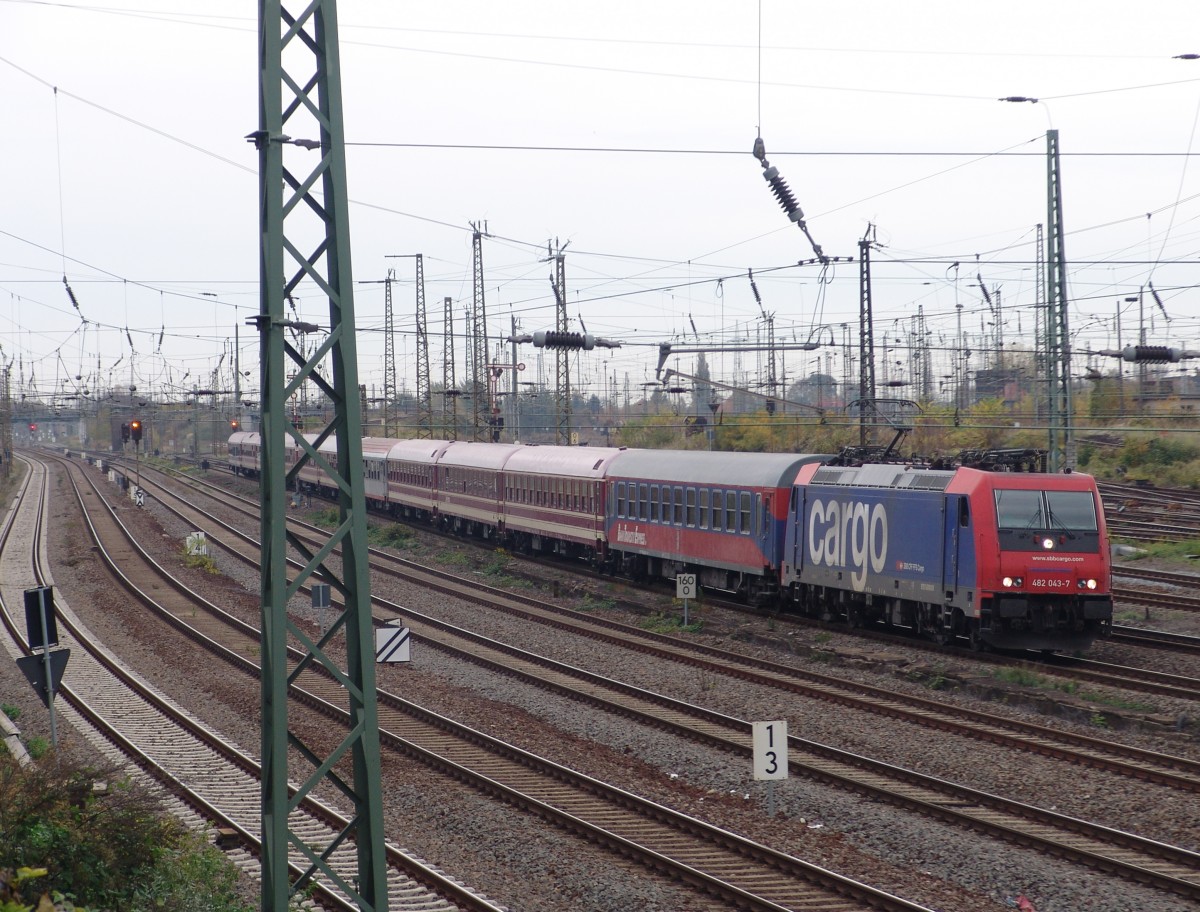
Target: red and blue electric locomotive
1014 560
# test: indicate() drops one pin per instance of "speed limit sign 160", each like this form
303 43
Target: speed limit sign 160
685 586
770 750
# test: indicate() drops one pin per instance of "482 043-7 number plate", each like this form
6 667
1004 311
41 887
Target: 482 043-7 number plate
1050 583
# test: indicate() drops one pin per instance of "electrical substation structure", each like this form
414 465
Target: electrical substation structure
449 390
562 359
424 391
389 356
477 333
302 197
866 336
1058 340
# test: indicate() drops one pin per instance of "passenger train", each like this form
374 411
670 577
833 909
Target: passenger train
1009 559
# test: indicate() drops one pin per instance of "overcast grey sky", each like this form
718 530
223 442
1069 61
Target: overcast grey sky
624 128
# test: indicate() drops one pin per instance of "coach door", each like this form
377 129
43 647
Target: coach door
766 528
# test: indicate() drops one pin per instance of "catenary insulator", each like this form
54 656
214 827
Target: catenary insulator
783 193
1151 354
573 340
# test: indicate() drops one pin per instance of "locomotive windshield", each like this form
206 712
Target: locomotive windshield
1020 512
1073 510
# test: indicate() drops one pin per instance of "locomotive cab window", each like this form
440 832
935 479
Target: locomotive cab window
1074 510
1019 510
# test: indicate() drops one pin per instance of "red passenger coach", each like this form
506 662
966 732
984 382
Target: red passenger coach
720 515
554 499
375 481
245 450
411 466
468 485
311 475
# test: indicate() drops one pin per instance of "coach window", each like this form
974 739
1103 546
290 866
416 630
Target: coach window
679 506
654 495
620 498
731 511
691 507
718 498
643 502
744 526
704 508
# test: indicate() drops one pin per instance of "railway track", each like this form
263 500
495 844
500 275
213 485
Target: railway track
207 779
733 870
1116 676
997 816
531 608
1137 513
1156 639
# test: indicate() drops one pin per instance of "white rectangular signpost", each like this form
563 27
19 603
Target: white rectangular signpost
685 588
393 643
770 756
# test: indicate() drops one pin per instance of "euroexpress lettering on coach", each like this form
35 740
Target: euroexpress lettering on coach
848 535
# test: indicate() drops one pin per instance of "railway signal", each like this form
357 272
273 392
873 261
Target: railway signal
135 431
125 432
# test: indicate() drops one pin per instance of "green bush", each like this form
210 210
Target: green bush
112 849
392 535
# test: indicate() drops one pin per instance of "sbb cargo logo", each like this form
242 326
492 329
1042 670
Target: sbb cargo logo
850 535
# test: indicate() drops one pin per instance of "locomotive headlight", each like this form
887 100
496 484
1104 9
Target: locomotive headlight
1048 543
1087 584
1012 582
1008 582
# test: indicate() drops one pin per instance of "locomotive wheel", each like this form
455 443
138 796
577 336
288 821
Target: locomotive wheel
942 634
975 638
